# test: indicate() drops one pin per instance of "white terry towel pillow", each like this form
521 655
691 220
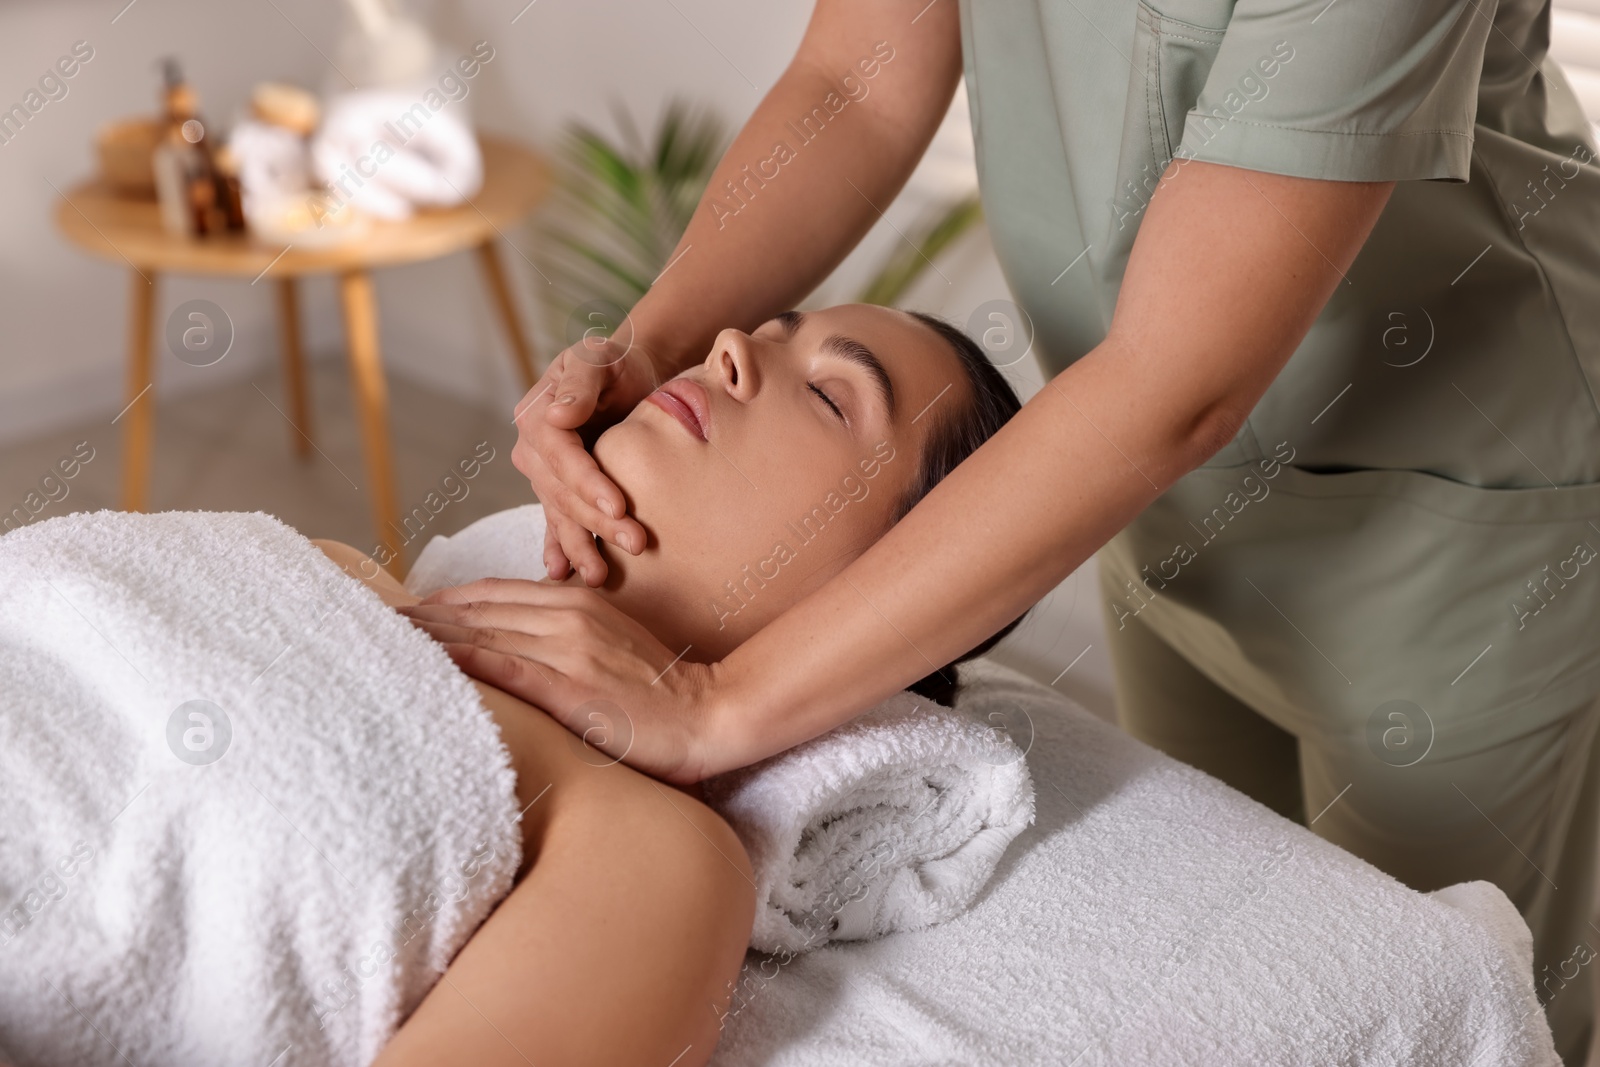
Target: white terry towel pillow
891 822
427 159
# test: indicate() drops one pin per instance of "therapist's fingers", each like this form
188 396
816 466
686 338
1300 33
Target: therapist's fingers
566 475
575 543
586 371
508 642
504 658
512 590
571 523
488 614
592 504
572 516
562 647
556 564
523 664
568 538
512 673
579 500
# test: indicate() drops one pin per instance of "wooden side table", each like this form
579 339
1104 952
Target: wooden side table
129 231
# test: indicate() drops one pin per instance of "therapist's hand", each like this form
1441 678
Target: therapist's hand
592 384
564 649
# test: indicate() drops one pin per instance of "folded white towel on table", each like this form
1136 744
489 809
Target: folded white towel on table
892 822
423 159
248 807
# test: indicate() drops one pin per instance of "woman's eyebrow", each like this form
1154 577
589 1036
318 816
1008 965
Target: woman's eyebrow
850 349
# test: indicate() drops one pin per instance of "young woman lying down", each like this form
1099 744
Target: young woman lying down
760 474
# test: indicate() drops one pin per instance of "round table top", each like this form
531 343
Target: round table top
128 230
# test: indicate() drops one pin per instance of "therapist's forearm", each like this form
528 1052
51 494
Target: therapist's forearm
1227 275
993 538
744 259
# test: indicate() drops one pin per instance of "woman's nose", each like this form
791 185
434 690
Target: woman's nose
733 360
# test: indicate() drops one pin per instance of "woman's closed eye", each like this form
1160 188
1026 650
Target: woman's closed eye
828 400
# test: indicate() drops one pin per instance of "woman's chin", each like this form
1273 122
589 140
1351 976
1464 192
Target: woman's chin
651 478
628 453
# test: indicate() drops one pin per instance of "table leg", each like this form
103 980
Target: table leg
140 412
294 368
372 403
521 350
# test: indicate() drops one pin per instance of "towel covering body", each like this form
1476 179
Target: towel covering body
250 813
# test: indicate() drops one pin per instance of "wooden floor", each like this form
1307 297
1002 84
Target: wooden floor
229 449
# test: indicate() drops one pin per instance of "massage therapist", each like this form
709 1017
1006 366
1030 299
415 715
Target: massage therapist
1316 288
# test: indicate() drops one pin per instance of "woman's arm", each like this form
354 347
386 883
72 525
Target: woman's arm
752 253
1228 272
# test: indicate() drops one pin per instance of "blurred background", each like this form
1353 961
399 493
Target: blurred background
622 106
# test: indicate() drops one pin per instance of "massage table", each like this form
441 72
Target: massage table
1149 914
1152 915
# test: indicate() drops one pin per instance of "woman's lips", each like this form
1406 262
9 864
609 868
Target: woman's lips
687 402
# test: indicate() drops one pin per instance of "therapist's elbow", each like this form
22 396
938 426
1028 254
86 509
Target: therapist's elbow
1207 431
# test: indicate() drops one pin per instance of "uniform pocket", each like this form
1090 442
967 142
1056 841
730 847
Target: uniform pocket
1170 61
1319 596
1450 498
1174 59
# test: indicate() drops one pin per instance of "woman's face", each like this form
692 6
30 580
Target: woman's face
765 470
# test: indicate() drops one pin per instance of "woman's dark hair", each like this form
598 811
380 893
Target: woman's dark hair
957 432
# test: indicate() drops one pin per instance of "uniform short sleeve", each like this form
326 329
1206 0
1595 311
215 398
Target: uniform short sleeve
1352 90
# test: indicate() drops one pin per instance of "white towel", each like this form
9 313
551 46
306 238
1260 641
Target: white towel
426 159
506 544
892 822
304 890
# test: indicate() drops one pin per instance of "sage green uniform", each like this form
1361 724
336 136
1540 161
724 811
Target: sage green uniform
1391 576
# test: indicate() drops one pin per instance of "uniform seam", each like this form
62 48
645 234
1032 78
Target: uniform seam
1162 17
1155 112
1341 133
1193 40
1544 282
1538 522
1573 761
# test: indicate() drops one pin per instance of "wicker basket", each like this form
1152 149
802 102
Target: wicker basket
126 148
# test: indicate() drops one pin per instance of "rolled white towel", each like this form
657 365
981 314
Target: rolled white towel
273 162
393 153
891 822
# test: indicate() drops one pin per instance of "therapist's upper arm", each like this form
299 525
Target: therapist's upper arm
1305 113
1228 272
1349 91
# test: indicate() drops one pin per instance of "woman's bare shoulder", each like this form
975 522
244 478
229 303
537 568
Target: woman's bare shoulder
365 569
544 754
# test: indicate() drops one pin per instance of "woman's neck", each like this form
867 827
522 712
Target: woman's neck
645 589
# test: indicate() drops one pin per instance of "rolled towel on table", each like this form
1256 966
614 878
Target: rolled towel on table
891 822
397 153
